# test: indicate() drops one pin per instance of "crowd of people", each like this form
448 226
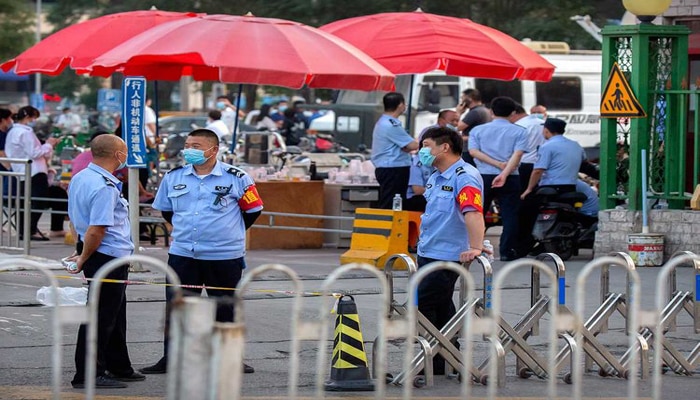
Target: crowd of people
452 172
455 169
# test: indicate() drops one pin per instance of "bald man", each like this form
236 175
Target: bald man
101 218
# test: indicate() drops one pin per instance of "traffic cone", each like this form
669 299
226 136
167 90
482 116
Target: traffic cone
349 370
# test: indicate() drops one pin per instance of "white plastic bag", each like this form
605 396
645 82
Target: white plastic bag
66 296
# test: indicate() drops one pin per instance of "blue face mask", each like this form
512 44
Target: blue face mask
538 115
194 156
282 108
220 105
122 164
451 127
425 157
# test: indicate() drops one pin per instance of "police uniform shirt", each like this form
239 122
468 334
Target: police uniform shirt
535 138
498 139
443 233
207 219
561 159
590 207
388 138
419 175
95 199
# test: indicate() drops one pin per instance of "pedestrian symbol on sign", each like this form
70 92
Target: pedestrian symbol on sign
618 99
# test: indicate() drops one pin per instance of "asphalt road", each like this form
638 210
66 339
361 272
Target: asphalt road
25 333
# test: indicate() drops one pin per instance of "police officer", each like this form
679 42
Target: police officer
390 147
452 227
101 219
210 205
497 148
558 162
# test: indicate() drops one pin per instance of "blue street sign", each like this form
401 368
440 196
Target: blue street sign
133 103
109 100
37 101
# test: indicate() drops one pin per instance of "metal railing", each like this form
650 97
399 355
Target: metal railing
15 205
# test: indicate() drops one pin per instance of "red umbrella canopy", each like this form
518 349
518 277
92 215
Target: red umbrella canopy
418 42
245 49
78 45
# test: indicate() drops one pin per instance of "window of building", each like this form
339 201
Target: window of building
561 93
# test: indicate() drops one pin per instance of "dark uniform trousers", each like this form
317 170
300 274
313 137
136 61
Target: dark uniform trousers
112 353
435 302
218 273
509 201
391 181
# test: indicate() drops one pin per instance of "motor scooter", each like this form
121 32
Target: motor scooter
560 228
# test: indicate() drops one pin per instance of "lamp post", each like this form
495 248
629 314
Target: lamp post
654 60
646 10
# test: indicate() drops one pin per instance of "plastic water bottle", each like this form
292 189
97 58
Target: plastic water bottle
488 246
397 205
69 265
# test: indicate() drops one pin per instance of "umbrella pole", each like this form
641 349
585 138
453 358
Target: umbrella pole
235 122
410 98
156 109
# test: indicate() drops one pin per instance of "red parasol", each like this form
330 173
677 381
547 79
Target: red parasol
245 49
418 42
77 45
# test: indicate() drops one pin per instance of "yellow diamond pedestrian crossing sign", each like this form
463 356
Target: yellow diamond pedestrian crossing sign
618 100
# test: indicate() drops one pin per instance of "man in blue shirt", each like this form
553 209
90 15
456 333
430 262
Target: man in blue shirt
210 205
101 218
497 147
452 227
390 151
558 163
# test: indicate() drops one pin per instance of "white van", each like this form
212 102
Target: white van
573 95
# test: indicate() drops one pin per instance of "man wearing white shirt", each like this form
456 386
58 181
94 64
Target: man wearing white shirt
533 125
69 122
216 125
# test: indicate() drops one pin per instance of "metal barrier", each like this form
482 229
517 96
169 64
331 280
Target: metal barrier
665 280
229 382
14 205
385 327
602 356
175 386
61 315
467 327
439 338
527 353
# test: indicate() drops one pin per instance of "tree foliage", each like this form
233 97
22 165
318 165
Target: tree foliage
520 19
16 28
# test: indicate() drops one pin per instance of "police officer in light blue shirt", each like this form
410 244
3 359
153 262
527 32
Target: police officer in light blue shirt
497 148
558 162
210 205
101 218
415 201
590 207
390 151
452 227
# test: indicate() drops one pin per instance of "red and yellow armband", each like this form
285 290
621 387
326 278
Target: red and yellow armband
470 197
250 199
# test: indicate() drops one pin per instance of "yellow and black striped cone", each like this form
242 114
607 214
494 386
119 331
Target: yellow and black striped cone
349 371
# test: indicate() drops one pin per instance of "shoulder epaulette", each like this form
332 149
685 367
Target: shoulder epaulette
460 171
236 171
108 182
394 122
176 168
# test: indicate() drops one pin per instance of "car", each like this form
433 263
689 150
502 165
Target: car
180 123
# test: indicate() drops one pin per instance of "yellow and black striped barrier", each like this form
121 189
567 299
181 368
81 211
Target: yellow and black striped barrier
349 369
378 234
